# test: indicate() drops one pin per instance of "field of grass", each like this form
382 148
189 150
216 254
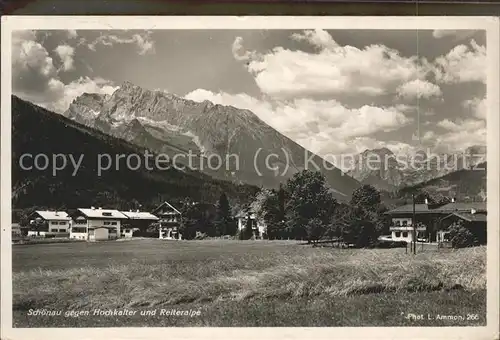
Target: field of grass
245 283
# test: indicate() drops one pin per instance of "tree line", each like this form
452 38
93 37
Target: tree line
303 208
306 209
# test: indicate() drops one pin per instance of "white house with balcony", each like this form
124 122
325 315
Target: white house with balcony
402 230
432 220
96 224
46 223
169 221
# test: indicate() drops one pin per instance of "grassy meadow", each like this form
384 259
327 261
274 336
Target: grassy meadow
244 284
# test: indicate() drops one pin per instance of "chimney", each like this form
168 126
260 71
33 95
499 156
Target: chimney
426 201
100 208
473 211
453 200
137 210
93 208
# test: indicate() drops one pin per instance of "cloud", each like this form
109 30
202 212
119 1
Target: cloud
64 94
29 55
319 38
142 41
477 106
66 54
419 89
72 34
429 135
32 65
457 34
322 126
34 77
456 126
239 52
333 70
462 64
460 134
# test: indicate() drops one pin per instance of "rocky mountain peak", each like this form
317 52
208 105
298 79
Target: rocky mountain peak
379 151
170 124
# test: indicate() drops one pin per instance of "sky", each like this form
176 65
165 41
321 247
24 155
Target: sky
332 91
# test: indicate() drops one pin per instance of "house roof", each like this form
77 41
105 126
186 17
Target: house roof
408 208
446 208
139 215
167 204
464 206
98 213
467 216
53 215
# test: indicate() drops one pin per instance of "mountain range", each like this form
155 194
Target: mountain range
223 142
196 136
389 172
36 131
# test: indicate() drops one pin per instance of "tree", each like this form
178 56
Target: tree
460 236
366 201
315 229
224 223
269 206
366 197
189 219
308 198
197 217
357 226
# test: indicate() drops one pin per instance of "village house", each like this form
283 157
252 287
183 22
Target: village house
169 221
472 216
49 224
96 224
433 221
16 230
259 227
136 220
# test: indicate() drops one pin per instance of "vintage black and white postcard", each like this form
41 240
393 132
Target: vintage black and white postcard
250 177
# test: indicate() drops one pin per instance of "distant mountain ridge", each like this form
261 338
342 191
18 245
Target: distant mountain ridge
386 171
171 125
39 131
463 185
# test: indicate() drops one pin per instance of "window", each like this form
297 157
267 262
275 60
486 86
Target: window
91 231
405 234
107 214
79 230
62 223
53 230
113 223
53 222
107 223
397 234
405 223
62 230
398 223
